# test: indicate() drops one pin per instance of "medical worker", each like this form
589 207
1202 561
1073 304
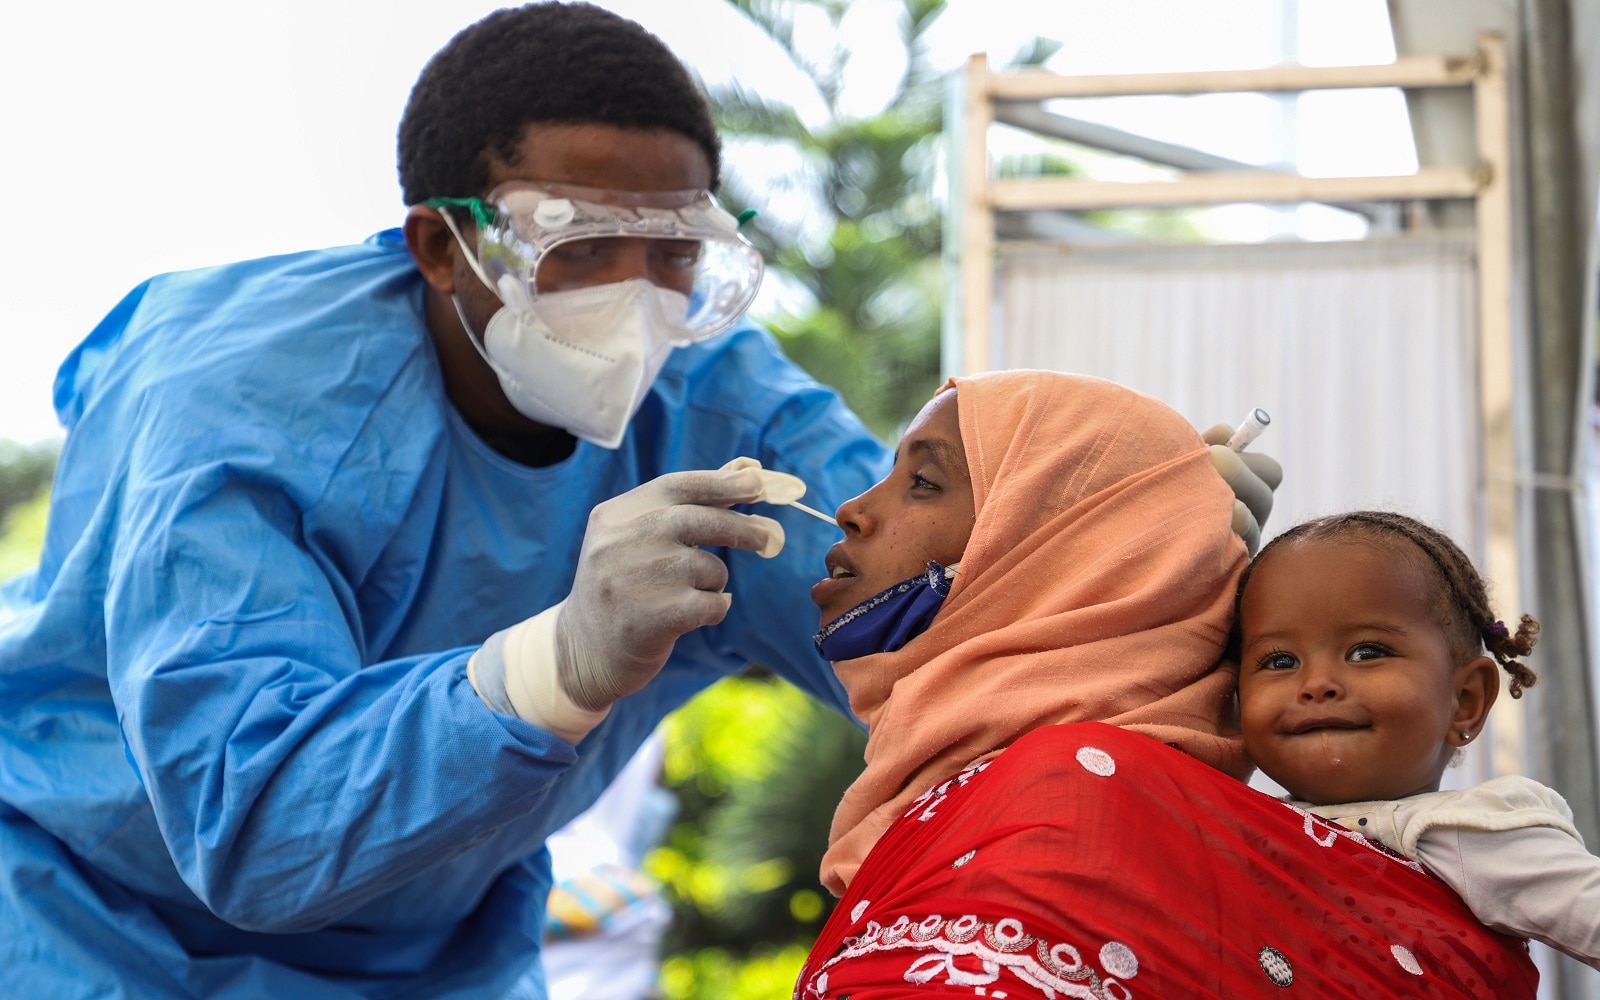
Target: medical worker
368 568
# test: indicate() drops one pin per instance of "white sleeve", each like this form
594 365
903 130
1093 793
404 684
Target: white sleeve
1536 882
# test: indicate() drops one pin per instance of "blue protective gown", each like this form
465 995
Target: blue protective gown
239 755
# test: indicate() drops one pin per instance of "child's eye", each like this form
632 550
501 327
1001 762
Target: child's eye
1277 661
1368 651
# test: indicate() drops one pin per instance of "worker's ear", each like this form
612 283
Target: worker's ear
1477 684
432 246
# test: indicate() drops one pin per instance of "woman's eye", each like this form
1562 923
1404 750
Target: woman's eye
919 483
1369 651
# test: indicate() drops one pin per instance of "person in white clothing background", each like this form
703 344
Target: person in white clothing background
606 918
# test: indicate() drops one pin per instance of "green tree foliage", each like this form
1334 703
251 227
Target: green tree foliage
757 767
24 471
863 252
25 474
858 239
22 536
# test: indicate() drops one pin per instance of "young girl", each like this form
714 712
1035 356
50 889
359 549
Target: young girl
1004 840
1362 673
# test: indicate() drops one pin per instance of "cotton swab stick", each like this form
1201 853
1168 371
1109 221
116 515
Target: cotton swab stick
819 515
783 488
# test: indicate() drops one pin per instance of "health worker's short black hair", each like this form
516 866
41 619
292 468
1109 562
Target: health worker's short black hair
542 63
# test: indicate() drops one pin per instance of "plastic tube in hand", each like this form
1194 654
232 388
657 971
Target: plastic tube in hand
1251 476
1249 429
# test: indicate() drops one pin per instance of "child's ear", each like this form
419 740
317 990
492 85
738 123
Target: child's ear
1477 684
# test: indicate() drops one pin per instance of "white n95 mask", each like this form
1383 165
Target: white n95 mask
583 360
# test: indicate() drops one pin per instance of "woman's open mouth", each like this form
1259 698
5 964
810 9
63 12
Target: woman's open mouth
841 573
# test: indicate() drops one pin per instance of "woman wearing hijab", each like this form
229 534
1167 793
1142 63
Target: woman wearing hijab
1030 613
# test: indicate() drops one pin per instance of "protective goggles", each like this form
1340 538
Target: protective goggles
553 237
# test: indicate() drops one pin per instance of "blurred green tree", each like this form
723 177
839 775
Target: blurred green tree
25 472
758 767
22 536
850 223
851 215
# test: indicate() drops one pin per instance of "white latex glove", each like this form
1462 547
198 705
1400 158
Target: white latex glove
1252 476
642 581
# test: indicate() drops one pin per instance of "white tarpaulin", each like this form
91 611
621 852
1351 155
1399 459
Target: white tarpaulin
1364 354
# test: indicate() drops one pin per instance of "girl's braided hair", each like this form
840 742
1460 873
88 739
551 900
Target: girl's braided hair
1459 597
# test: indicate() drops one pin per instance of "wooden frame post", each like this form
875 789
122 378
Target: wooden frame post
1497 357
976 252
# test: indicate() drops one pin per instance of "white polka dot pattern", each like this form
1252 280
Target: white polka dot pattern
1407 960
1097 761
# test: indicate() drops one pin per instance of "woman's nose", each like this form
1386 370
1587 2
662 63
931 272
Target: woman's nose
854 515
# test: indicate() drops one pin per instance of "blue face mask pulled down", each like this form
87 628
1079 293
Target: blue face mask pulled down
888 620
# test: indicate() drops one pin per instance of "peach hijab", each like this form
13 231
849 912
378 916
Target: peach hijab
1097 585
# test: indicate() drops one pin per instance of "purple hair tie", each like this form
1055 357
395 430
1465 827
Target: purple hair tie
1496 631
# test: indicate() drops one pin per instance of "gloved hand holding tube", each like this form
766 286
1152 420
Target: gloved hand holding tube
642 581
1252 476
